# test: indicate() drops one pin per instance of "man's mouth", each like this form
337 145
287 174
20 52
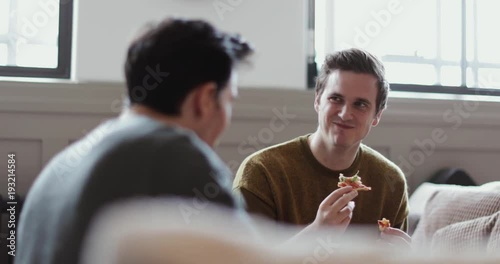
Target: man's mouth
344 126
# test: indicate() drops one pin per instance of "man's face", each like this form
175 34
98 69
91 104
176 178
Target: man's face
223 110
347 108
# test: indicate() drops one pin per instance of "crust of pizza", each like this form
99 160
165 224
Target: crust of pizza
383 224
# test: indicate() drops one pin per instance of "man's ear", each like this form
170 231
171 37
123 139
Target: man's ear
205 98
377 118
317 98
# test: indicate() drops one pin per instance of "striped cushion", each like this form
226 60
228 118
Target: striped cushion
467 236
494 242
452 205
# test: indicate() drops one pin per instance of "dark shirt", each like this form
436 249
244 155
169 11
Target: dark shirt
120 159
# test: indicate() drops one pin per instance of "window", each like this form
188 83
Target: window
425 45
35 38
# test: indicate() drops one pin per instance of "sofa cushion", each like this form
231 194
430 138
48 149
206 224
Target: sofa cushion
467 236
492 186
452 204
417 203
494 242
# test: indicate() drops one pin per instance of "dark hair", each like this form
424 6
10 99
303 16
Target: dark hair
170 59
358 61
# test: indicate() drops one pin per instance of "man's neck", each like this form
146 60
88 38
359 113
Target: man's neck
331 156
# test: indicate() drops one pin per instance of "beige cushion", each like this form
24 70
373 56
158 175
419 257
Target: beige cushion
492 186
451 205
417 203
467 236
494 242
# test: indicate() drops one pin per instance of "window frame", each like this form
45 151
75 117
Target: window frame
63 70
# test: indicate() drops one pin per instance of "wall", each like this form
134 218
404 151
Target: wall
276 28
421 135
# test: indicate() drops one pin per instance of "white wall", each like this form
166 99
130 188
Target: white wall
38 126
276 28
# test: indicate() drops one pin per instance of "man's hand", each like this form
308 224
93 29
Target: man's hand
336 209
396 237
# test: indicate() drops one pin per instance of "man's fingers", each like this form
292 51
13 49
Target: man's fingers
344 200
334 196
346 213
346 221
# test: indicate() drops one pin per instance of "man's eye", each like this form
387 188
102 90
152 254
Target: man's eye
335 99
361 104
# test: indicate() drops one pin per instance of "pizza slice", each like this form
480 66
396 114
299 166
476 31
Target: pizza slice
383 224
354 181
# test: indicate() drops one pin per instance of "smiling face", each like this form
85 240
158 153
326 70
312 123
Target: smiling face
347 108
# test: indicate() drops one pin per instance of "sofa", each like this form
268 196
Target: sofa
456 219
455 225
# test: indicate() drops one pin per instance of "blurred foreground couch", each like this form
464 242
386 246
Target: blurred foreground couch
457 225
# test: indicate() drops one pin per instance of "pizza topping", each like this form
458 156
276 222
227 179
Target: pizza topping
354 181
383 224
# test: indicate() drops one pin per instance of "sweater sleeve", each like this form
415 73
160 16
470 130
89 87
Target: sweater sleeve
251 183
403 211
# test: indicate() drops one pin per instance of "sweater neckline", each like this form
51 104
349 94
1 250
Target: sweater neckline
346 172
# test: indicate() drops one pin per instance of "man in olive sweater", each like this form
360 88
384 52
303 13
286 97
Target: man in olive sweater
296 182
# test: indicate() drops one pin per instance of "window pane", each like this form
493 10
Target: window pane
489 78
470 30
486 78
36 36
410 73
41 56
470 82
4 16
451 76
487 31
3 54
387 26
451 30
38 21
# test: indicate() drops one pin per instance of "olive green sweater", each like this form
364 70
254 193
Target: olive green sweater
286 183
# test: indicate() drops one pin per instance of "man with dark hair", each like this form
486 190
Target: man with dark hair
181 83
296 182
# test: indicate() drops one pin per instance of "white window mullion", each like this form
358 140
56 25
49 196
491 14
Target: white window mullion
439 57
463 61
475 66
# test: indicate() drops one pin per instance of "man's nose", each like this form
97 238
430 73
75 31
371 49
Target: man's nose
345 112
